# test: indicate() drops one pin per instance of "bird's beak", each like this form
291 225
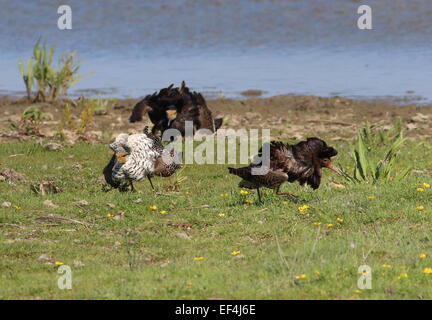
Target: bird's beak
335 169
172 114
121 157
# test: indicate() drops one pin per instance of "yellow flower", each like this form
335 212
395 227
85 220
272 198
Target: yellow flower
198 258
17 207
163 212
221 214
340 220
358 291
234 253
301 276
427 270
153 208
330 225
426 185
58 263
303 208
244 192
403 275
386 266
420 208
317 223
110 215
224 195
422 255
248 201
371 197
420 189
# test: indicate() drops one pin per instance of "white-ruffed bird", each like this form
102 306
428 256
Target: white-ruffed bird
136 157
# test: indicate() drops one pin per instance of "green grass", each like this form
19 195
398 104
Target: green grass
142 257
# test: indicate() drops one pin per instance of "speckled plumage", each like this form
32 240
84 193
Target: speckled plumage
143 158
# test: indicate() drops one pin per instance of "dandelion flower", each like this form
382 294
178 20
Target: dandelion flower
224 195
198 258
248 201
317 223
402 275
420 189
303 208
17 207
110 215
386 266
420 208
358 291
153 208
427 270
426 185
371 197
422 255
58 263
244 192
234 253
163 212
221 214
330 225
340 220
301 276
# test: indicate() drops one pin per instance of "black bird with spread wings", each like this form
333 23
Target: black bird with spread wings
172 107
302 162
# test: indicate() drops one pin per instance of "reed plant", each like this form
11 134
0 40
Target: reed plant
51 81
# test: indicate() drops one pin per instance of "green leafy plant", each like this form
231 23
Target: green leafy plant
65 77
86 109
370 163
179 179
51 81
43 71
86 118
27 75
31 120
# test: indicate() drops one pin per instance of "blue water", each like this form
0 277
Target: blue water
223 47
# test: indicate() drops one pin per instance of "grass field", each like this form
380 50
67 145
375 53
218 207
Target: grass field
210 244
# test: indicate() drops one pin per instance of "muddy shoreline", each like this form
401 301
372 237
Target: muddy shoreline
288 117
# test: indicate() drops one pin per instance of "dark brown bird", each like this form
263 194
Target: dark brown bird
172 107
157 106
302 162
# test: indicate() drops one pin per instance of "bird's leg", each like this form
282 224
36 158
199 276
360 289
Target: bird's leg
132 186
285 193
151 183
259 195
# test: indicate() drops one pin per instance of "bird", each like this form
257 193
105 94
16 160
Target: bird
117 160
171 107
302 162
195 110
139 156
156 106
